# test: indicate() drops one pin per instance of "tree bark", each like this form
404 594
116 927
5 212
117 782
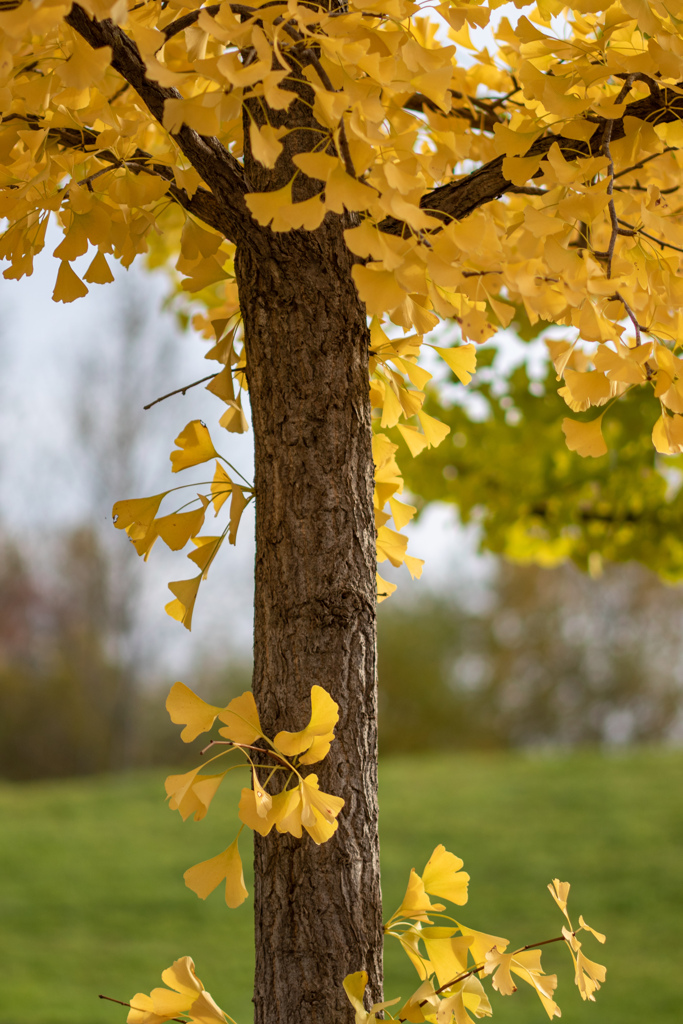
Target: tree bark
317 908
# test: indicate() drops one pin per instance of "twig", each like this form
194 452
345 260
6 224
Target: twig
637 328
645 160
609 254
631 315
476 970
659 241
248 746
181 391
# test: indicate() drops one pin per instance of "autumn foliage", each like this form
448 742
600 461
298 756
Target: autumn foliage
374 166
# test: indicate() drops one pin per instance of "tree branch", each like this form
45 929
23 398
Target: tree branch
458 199
219 169
180 391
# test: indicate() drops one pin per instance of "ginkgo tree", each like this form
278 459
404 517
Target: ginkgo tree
326 182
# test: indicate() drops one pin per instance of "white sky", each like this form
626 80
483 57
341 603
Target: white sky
43 477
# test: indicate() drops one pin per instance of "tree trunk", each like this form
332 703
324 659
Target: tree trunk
317 908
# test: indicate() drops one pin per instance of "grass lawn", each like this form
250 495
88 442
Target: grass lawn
92 899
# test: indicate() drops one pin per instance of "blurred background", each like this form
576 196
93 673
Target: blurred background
531 717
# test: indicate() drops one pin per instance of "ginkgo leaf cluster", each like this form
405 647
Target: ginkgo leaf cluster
297 804
450 957
138 516
561 138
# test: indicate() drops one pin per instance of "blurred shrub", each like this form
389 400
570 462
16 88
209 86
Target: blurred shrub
558 658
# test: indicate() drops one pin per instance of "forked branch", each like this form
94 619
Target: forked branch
218 168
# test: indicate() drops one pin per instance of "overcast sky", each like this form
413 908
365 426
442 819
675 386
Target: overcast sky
50 353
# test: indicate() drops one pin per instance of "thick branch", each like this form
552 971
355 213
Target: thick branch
219 169
459 199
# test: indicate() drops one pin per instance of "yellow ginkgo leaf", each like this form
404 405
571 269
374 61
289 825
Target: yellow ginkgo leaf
316 165
68 285
447 952
526 965
265 206
265 144
422 1004
462 360
344 192
378 289
318 810
205 1010
391 545
222 385
354 986
280 807
560 893
233 419
481 942
319 748
592 387
177 786
205 553
204 877
442 877
262 801
186 708
589 975
416 441
414 566
308 214
435 430
416 904
402 513
469 997
177 528
586 927
195 446
384 588
181 976
162 1004
241 719
585 438
136 511
98 272
237 507
193 113
221 487
143 540
324 717
193 797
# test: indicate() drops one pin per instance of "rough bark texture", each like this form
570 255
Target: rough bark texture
317 908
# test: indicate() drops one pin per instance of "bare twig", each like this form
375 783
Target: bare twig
631 315
659 241
609 254
645 160
181 391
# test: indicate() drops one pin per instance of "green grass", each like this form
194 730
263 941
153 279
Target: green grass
92 899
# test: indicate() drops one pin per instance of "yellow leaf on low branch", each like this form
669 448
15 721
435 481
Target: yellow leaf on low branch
186 708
